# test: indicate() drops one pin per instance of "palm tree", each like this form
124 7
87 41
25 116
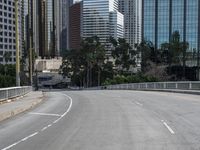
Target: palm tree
94 54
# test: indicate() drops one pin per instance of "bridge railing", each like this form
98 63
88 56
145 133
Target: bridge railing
7 93
184 85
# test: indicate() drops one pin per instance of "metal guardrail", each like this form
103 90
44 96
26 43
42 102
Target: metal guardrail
7 93
184 85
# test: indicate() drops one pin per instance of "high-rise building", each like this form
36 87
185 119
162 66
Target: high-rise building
41 29
27 24
35 25
50 27
97 19
75 26
62 25
72 2
44 28
132 11
163 17
116 24
7 30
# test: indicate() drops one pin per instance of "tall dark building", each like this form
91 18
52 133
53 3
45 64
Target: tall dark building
46 28
163 17
43 51
75 26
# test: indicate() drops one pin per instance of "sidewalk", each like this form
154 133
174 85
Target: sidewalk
20 105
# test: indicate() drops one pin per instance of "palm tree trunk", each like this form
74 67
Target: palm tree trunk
88 78
184 64
99 76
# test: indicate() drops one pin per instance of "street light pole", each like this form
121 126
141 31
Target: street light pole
17 45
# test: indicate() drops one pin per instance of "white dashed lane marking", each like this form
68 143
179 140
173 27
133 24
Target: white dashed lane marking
168 127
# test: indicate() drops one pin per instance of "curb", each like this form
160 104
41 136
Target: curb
16 111
172 91
192 92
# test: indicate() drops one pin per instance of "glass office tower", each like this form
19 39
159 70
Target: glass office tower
97 19
162 17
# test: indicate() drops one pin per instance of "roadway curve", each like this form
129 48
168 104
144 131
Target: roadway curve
106 120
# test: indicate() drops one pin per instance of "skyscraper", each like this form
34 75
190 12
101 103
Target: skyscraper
7 30
163 17
116 24
62 25
97 20
44 28
41 31
75 26
50 27
132 11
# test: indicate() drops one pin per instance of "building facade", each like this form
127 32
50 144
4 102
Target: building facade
163 17
50 27
132 11
62 25
7 30
96 19
43 27
116 24
75 26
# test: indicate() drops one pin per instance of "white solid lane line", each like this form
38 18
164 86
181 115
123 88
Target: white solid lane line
168 127
44 114
44 128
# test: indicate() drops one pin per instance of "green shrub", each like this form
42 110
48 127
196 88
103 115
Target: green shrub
137 78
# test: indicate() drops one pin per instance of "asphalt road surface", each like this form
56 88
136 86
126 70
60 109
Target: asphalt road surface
106 120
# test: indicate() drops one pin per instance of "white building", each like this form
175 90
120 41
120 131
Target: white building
132 10
7 30
98 16
116 24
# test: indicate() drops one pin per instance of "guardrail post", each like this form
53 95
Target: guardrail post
6 94
176 85
190 86
165 85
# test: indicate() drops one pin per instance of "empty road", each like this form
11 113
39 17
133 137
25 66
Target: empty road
106 120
